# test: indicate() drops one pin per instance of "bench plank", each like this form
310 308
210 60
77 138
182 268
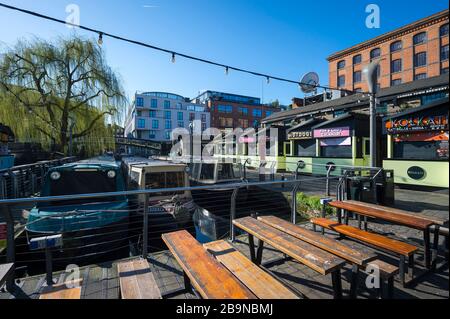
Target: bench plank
210 278
60 291
309 255
331 245
392 217
263 285
137 281
435 220
386 270
367 237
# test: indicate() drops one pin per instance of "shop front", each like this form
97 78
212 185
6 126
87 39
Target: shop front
341 142
417 145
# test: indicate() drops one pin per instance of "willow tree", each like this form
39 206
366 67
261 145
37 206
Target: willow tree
64 86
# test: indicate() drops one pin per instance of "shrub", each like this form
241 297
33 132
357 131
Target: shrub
309 206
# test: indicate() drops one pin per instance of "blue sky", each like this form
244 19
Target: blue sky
286 38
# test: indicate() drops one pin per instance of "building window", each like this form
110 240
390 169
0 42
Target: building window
139 113
203 126
167 133
167 115
140 101
168 124
243 123
357 77
243 110
341 64
225 108
341 80
269 113
375 53
420 76
255 123
444 71
396 82
152 113
180 124
141 123
155 124
357 59
203 117
257 113
154 103
226 122
443 31
167 104
180 116
179 106
191 117
396 46
444 52
396 66
152 134
420 38
420 59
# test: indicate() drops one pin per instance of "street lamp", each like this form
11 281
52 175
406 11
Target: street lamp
371 76
191 128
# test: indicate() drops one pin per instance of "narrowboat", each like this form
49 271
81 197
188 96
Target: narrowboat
6 137
92 229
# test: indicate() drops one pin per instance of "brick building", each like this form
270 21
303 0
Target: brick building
416 51
230 111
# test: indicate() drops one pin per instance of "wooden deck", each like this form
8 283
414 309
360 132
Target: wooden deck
102 282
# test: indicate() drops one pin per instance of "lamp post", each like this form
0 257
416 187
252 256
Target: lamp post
191 128
370 72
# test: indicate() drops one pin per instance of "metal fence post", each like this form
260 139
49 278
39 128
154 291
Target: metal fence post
294 203
145 228
327 185
233 213
10 245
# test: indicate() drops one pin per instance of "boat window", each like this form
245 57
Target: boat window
207 171
81 182
225 171
164 180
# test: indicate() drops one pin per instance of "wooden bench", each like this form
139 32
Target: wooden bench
262 284
137 281
355 257
404 250
392 216
6 271
201 270
313 257
62 291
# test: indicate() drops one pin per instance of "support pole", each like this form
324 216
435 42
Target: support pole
233 213
145 228
49 266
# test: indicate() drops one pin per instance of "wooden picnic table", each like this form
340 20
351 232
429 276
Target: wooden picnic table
311 256
391 216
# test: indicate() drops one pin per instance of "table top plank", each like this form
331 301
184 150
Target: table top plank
210 278
331 245
315 258
434 219
137 281
373 212
262 284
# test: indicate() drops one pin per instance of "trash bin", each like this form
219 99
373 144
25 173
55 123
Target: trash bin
360 188
386 188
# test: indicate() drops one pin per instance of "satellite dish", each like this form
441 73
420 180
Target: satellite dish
309 82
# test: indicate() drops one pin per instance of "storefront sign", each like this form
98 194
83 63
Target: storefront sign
2 235
416 172
332 132
302 135
423 123
346 141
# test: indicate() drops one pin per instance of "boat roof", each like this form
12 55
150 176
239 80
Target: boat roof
149 162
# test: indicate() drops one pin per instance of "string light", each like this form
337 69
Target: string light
100 38
268 80
226 70
102 33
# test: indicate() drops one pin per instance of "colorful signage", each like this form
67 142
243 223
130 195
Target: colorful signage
301 135
2 235
332 132
416 172
418 123
422 137
345 141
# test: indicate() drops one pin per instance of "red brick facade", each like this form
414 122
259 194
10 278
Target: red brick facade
434 66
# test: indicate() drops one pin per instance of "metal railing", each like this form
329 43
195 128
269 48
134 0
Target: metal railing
138 228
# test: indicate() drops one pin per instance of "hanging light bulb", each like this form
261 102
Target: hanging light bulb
268 80
173 57
226 70
100 39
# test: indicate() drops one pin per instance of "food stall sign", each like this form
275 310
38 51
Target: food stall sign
332 132
416 172
301 135
3 235
418 123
